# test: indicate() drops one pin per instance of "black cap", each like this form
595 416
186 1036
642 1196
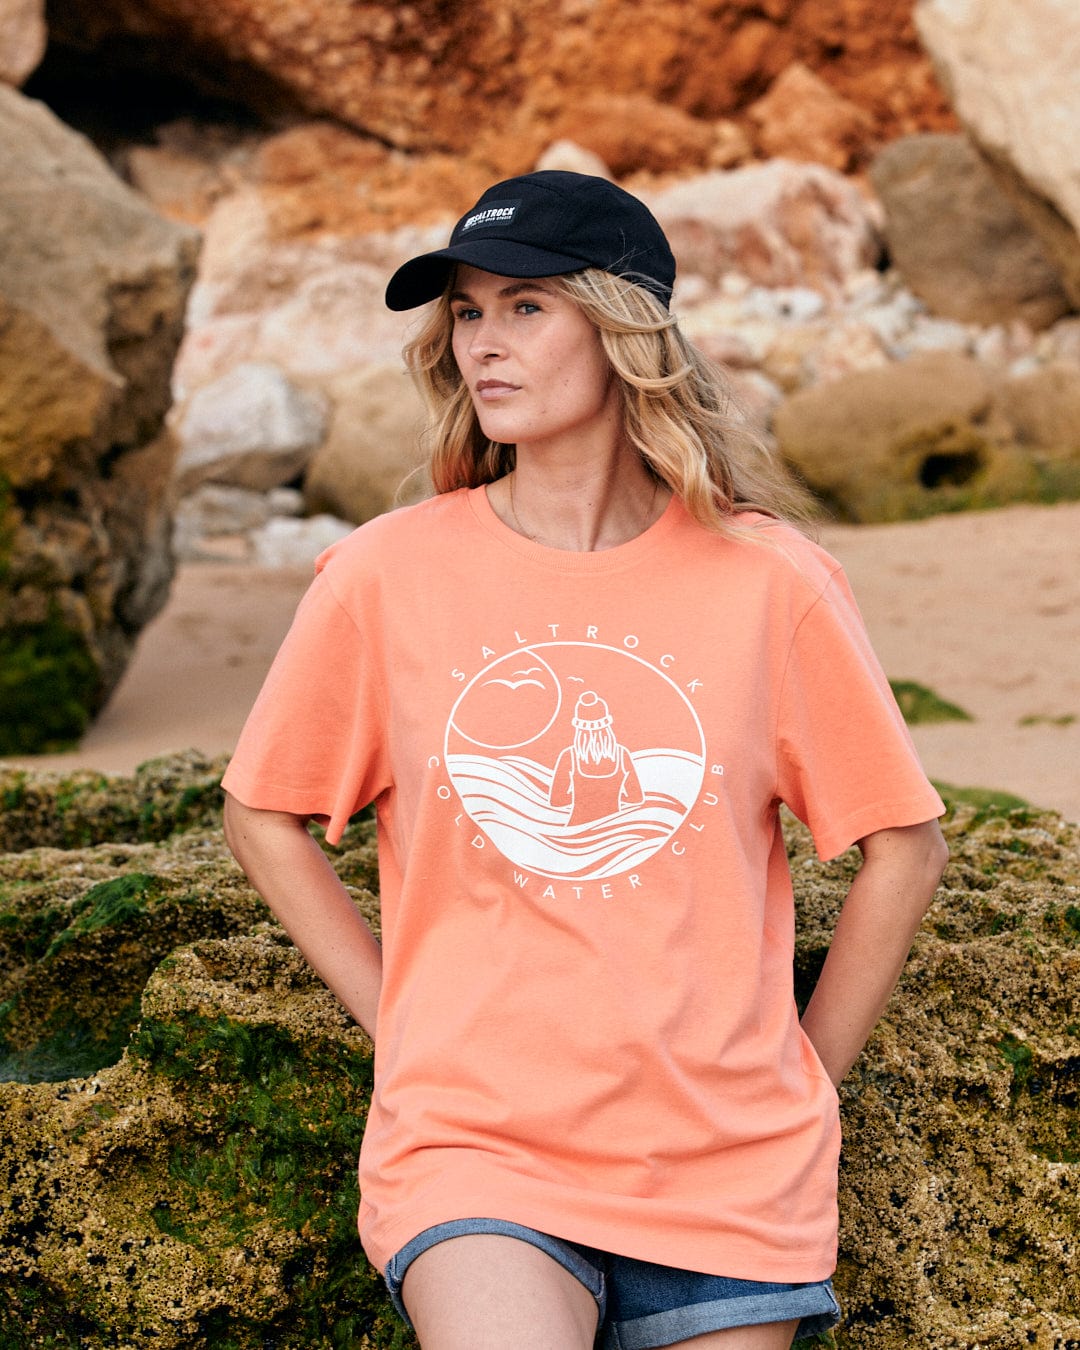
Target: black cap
545 224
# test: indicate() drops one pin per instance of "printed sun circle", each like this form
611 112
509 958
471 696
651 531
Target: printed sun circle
519 696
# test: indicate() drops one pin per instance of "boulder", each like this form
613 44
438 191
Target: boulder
93 286
491 80
180 1140
320 179
780 224
1043 409
910 439
1010 71
803 118
373 446
958 240
23 38
252 428
312 308
629 132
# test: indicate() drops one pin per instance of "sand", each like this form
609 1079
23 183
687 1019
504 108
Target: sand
983 608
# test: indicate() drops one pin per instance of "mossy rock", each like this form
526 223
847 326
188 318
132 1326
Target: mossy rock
916 438
50 688
959 1216
70 810
50 684
201 1191
81 930
75 954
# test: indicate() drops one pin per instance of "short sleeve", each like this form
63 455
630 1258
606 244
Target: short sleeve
315 742
846 765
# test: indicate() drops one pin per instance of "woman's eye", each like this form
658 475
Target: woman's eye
466 313
529 307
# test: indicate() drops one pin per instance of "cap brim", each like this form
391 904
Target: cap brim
425 278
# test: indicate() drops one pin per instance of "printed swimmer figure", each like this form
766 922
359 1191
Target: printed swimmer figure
595 775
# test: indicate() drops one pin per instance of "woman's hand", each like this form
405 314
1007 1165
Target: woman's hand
900 872
293 875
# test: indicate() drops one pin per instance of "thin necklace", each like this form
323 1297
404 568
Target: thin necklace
536 538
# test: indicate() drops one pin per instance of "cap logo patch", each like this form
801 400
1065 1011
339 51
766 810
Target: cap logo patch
495 213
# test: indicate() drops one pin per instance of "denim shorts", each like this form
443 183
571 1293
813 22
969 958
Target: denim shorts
643 1305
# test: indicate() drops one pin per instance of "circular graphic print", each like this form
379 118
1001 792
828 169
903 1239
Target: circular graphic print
577 760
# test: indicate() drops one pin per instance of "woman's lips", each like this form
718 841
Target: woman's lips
489 390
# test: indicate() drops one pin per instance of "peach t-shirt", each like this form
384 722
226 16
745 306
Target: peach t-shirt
587 1022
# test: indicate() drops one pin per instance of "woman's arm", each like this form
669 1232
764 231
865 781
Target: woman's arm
900 872
294 876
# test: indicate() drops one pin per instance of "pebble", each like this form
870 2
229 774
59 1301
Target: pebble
798 304
928 334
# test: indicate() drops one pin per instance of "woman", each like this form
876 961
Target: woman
595 1109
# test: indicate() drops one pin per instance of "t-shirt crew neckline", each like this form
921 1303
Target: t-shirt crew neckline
567 560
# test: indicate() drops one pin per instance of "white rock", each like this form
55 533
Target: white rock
929 334
724 334
690 290
712 311
285 501
215 508
214 520
798 304
850 346
296 543
572 158
726 347
894 319
828 349
333 321
865 288
1001 344
1026 365
251 428
734 285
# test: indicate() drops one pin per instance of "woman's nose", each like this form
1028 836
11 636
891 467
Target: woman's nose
486 339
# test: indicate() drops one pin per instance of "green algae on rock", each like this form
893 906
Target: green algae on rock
49 687
960 1224
81 930
201 1191
164 796
75 954
920 704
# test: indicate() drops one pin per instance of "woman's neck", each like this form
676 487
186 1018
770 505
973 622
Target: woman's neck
581 508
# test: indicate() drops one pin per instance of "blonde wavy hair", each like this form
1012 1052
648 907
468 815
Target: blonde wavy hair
677 407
